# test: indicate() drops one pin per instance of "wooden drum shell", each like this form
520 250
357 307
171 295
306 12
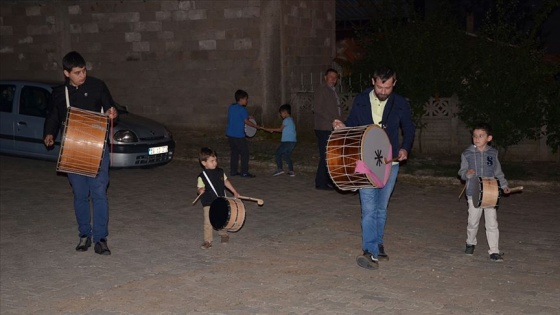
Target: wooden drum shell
346 147
83 142
227 214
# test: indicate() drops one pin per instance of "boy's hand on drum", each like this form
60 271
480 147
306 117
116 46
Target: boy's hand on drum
112 113
337 124
403 155
470 173
201 190
49 140
506 190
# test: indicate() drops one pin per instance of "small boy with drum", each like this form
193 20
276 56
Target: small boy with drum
481 160
211 185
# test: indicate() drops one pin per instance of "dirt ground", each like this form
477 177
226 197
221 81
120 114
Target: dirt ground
294 255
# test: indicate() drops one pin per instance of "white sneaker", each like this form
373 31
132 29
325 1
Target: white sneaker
278 172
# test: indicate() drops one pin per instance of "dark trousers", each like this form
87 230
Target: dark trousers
322 178
239 148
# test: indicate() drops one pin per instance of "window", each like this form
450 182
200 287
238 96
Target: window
7 93
34 101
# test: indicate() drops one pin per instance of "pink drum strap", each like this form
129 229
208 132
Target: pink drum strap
362 168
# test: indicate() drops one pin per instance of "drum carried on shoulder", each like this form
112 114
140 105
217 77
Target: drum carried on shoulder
357 157
83 142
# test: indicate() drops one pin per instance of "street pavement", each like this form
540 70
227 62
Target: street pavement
294 255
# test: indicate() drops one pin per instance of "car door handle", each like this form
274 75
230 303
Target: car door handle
22 123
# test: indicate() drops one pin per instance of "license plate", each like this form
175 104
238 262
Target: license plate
157 150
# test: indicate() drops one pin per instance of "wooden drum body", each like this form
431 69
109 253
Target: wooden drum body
227 214
83 142
487 193
356 157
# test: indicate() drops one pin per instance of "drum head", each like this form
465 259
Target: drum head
250 131
219 213
376 148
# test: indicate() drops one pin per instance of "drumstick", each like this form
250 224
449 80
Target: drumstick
462 191
196 199
260 202
391 160
515 189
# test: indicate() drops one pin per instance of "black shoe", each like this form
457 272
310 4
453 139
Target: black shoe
101 248
367 261
248 175
84 244
382 255
469 249
324 188
496 257
234 174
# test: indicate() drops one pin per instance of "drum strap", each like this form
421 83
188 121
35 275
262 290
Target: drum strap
210 183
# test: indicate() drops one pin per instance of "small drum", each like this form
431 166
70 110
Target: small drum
83 142
356 157
227 214
251 131
488 192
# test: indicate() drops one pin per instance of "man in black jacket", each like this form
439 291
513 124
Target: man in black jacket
90 94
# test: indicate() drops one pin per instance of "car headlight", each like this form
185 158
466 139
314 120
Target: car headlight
126 136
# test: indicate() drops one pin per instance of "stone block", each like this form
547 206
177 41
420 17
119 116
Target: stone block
185 5
75 28
39 30
132 36
242 43
163 15
33 10
197 14
90 28
26 40
151 26
209 44
169 5
6 30
140 46
74 10
166 35
180 15
6 49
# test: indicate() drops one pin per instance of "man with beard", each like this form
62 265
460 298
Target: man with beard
379 105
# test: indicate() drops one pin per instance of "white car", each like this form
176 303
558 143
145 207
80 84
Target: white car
136 141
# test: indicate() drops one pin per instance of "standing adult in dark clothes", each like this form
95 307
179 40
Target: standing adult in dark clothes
379 105
326 108
90 94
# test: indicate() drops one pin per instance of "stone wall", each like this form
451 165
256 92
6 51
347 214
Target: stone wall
179 62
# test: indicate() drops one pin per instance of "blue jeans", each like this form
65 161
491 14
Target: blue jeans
285 149
85 187
374 203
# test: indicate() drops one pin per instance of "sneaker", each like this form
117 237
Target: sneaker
469 250
206 245
225 239
382 255
496 257
291 173
101 247
84 244
278 172
367 261
248 175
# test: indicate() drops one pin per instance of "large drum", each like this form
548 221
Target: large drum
83 142
487 193
227 214
357 156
